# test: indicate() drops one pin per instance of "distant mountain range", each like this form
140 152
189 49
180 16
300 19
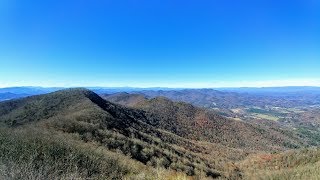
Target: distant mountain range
274 90
211 98
9 95
39 90
223 99
18 92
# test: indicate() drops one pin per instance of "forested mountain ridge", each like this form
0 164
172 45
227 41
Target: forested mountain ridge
178 137
117 128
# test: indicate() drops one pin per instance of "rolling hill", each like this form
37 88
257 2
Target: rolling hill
201 124
116 128
131 137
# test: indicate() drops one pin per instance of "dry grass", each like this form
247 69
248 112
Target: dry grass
300 164
30 153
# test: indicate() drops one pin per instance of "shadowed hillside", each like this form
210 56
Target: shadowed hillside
119 129
176 138
195 123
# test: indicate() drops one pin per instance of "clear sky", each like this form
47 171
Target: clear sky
153 43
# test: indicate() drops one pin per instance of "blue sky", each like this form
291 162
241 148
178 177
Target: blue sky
214 43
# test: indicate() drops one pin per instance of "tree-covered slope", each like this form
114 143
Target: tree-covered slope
201 124
129 131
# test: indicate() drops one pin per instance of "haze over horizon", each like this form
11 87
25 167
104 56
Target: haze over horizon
262 85
174 44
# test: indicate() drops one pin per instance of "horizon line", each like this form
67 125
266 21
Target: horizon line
159 87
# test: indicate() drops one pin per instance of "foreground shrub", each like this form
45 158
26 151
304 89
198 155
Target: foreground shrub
31 154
